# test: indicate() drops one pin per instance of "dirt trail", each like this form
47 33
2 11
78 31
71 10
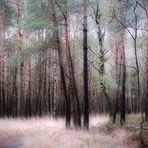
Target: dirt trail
51 133
11 143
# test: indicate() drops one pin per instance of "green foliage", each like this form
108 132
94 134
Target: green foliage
128 17
23 55
36 15
110 80
8 12
36 25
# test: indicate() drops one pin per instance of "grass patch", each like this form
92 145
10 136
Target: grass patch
131 119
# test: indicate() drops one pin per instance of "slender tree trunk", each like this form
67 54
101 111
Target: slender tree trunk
118 75
14 92
29 90
2 37
123 89
85 70
146 95
137 63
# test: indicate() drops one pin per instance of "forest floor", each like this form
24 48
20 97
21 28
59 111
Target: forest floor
51 133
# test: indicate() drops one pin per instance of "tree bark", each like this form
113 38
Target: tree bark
85 70
61 64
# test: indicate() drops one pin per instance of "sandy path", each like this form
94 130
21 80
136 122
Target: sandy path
51 133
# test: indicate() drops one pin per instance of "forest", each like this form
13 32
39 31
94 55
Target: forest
73 67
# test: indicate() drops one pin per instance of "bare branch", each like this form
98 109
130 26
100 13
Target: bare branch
123 25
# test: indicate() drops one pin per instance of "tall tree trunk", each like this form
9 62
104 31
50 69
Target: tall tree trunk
120 69
146 89
61 64
137 62
123 89
71 74
2 65
85 70
14 92
29 89
19 15
101 36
